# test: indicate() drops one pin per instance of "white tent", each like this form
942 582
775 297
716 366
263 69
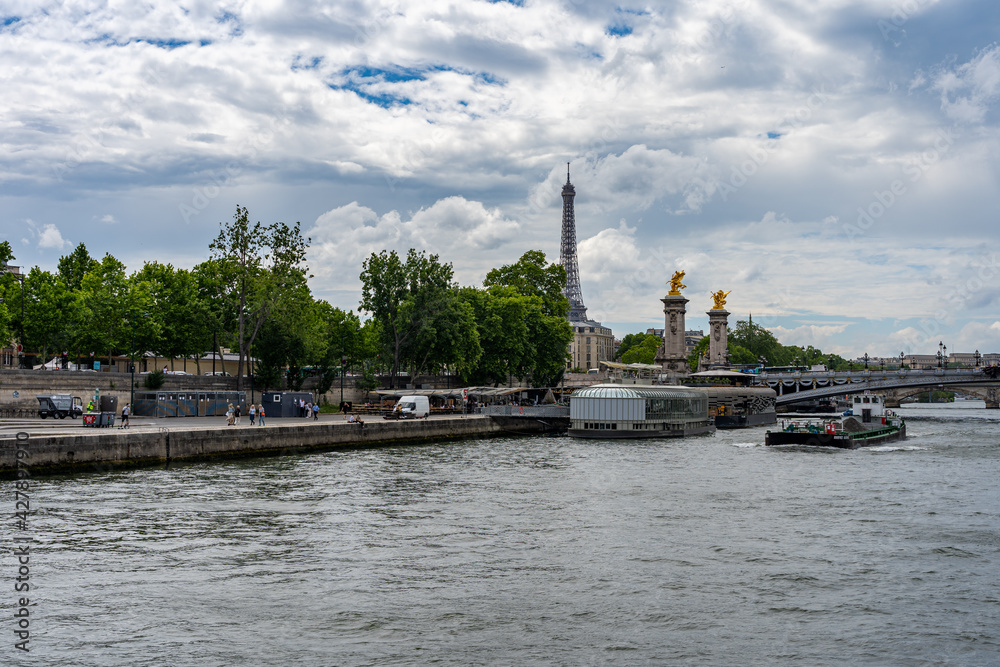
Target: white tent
54 365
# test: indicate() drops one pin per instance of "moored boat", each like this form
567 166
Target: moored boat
638 411
871 424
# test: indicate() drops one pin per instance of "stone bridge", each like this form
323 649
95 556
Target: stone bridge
895 384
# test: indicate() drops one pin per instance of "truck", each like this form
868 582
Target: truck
59 405
410 407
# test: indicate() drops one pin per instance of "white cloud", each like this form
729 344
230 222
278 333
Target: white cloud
464 233
50 237
448 128
968 90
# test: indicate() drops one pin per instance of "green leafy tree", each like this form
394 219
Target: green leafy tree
642 351
530 276
541 309
74 266
759 341
257 268
8 288
109 303
52 314
628 342
176 306
501 316
404 297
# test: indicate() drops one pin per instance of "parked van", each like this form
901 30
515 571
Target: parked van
412 407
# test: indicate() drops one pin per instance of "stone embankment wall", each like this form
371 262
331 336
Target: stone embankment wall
83 383
98 450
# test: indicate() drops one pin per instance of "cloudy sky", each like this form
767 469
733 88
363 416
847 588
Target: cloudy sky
834 163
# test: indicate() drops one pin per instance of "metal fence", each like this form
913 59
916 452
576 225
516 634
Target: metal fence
533 411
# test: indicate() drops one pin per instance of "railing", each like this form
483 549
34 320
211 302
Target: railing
18 413
528 411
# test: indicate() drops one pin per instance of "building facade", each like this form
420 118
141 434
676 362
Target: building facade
592 343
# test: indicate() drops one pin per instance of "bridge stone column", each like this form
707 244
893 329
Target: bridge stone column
672 356
718 336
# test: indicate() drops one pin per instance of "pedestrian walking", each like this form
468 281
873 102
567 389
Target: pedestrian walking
237 414
260 413
229 415
125 413
253 411
315 411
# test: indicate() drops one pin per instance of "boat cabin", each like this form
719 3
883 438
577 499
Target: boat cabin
868 406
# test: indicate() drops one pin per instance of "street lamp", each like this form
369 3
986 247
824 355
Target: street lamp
866 358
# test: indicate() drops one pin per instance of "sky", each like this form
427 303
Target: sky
833 164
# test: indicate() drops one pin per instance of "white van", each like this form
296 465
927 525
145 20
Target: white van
412 407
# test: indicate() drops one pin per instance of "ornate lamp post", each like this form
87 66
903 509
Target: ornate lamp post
944 354
901 357
940 355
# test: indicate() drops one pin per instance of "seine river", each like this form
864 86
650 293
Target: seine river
531 551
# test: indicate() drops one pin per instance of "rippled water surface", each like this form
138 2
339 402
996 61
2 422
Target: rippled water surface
708 550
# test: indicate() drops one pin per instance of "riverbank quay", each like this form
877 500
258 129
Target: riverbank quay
148 443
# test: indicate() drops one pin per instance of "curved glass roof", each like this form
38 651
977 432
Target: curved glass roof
636 391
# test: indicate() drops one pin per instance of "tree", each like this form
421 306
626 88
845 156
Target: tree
642 349
546 309
184 329
542 309
7 290
502 323
109 303
74 266
531 277
403 297
257 268
52 314
759 341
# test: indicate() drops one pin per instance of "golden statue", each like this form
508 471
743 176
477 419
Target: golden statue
720 299
675 284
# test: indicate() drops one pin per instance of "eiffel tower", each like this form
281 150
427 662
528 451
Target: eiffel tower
567 255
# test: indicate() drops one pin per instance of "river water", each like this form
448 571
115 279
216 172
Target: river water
531 551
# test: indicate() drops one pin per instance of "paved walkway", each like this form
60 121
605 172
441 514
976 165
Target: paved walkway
68 426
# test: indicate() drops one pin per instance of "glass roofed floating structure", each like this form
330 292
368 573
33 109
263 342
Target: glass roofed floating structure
632 411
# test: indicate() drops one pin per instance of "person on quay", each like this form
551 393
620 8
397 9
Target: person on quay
252 411
236 414
125 413
260 413
315 411
229 415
